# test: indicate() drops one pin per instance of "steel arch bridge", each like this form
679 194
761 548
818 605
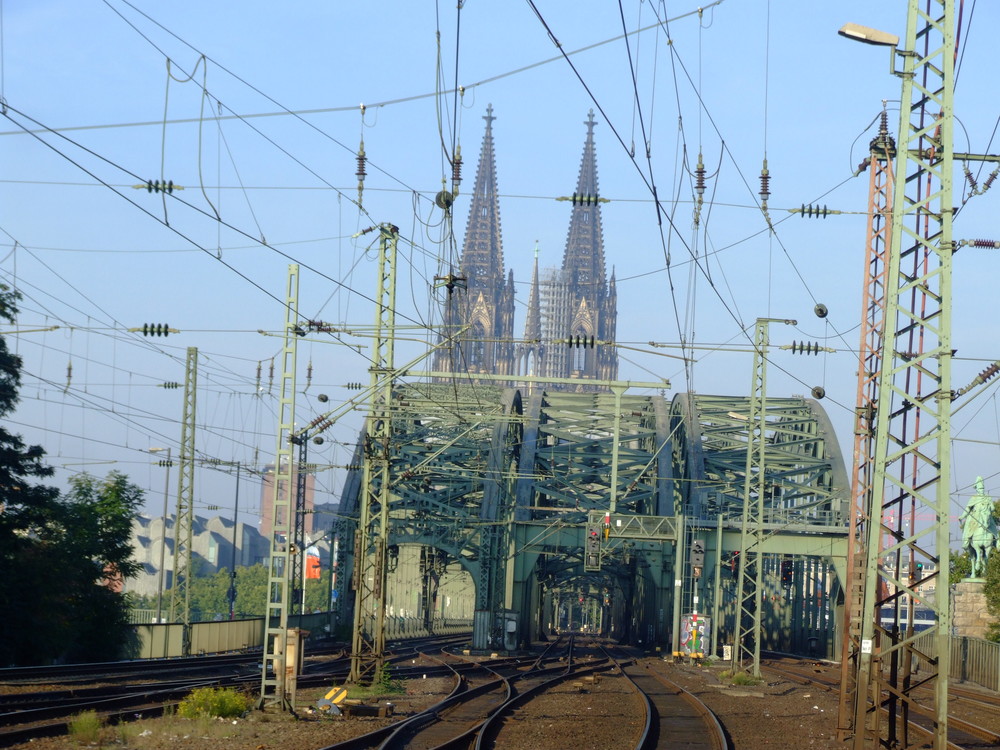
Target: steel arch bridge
508 484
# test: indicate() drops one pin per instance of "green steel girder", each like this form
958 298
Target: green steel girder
597 451
807 484
507 490
452 453
587 455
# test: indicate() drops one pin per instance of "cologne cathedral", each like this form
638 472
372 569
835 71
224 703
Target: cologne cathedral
570 322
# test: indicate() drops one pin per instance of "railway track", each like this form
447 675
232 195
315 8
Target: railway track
963 732
676 718
569 688
490 704
479 691
41 701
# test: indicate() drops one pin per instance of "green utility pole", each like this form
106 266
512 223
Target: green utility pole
180 597
913 420
750 585
275 688
372 536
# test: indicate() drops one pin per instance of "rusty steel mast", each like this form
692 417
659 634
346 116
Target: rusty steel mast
879 166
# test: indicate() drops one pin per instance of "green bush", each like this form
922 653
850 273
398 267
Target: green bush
211 702
86 727
384 682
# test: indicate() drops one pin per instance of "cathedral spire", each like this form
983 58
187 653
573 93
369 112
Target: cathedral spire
533 323
482 253
584 255
531 352
580 304
484 309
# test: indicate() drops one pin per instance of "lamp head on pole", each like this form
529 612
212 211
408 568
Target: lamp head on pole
868 35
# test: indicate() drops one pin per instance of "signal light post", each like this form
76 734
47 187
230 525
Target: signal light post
592 550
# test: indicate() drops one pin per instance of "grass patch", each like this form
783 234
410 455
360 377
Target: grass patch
86 728
383 684
208 702
740 678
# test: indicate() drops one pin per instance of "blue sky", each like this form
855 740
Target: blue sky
742 80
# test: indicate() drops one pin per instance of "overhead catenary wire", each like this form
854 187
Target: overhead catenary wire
709 266
181 234
651 187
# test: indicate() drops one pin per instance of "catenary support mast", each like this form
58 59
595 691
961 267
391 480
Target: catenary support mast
180 597
879 167
750 585
912 421
275 689
372 536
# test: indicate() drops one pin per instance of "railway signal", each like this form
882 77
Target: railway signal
592 549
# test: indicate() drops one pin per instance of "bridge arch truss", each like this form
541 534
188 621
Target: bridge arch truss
505 483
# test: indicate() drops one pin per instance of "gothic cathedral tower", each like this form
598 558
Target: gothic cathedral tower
485 307
576 304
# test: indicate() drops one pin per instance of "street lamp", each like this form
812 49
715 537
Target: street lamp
868 35
877 38
163 540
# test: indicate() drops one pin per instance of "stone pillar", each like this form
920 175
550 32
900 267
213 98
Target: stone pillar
969 616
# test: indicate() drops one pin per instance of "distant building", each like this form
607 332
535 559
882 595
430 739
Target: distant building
211 549
267 501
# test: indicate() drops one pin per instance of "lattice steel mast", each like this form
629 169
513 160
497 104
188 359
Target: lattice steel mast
274 685
879 166
750 585
912 422
180 596
372 536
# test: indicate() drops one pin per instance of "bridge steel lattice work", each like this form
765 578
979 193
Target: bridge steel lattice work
509 484
802 524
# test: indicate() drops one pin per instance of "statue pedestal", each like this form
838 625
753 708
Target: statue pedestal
969 616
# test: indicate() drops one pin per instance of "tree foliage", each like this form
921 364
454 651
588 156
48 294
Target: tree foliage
961 566
209 594
59 556
992 591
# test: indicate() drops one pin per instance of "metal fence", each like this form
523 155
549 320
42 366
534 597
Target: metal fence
156 641
972 660
976 660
